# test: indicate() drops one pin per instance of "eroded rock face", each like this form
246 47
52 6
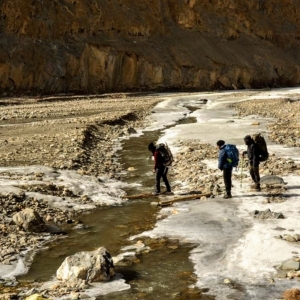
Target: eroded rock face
100 46
87 266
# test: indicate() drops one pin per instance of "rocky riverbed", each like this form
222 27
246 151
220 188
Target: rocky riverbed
63 133
77 133
285 129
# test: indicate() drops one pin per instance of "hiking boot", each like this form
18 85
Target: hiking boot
155 193
227 196
257 187
167 193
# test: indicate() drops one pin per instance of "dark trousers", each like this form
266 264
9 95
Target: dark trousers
227 173
162 173
254 173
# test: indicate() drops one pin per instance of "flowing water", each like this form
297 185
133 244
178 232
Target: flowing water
162 274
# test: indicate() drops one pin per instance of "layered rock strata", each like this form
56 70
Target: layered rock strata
98 46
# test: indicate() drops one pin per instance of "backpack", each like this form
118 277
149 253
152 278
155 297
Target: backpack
262 145
166 154
232 155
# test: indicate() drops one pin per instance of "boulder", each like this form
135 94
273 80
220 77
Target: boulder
89 266
271 180
29 220
293 294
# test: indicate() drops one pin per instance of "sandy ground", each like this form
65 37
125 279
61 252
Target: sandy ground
68 132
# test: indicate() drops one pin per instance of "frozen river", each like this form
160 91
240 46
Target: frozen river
235 254
232 244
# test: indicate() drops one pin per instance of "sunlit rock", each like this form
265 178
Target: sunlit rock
271 180
89 266
29 220
267 214
293 294
289 265
36 297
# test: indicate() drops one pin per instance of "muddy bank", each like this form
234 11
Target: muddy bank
69 134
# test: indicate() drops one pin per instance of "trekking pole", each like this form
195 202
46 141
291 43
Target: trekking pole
242 170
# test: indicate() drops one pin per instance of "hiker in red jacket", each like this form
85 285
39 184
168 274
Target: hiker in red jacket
159 168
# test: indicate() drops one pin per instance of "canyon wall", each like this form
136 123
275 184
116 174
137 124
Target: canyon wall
99 46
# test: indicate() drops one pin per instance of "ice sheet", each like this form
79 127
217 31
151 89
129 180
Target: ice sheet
231 243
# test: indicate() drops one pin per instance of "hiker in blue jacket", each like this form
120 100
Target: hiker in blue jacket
226 167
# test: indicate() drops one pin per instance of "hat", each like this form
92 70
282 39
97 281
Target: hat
151 146
220 143
247 138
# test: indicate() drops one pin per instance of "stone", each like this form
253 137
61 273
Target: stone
289 238
36 297
89 266
271 180
290 265
293 294
29 220
296 237
227 281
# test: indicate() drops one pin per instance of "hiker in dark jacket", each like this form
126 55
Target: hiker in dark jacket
160 169
224 166
253 156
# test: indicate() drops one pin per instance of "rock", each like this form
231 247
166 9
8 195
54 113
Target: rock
267 214
271 180
54 229
131 130
281 274
290 265
29 220
36 297
289 238
293 274
227 281
293 294
125 259
88 266
202 101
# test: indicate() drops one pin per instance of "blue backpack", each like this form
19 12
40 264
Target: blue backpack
232 155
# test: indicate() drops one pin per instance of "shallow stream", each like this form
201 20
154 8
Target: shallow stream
164 273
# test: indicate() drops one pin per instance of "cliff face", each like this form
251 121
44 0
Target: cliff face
95 46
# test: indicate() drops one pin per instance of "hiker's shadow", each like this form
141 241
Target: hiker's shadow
250 195
293 187
264 194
